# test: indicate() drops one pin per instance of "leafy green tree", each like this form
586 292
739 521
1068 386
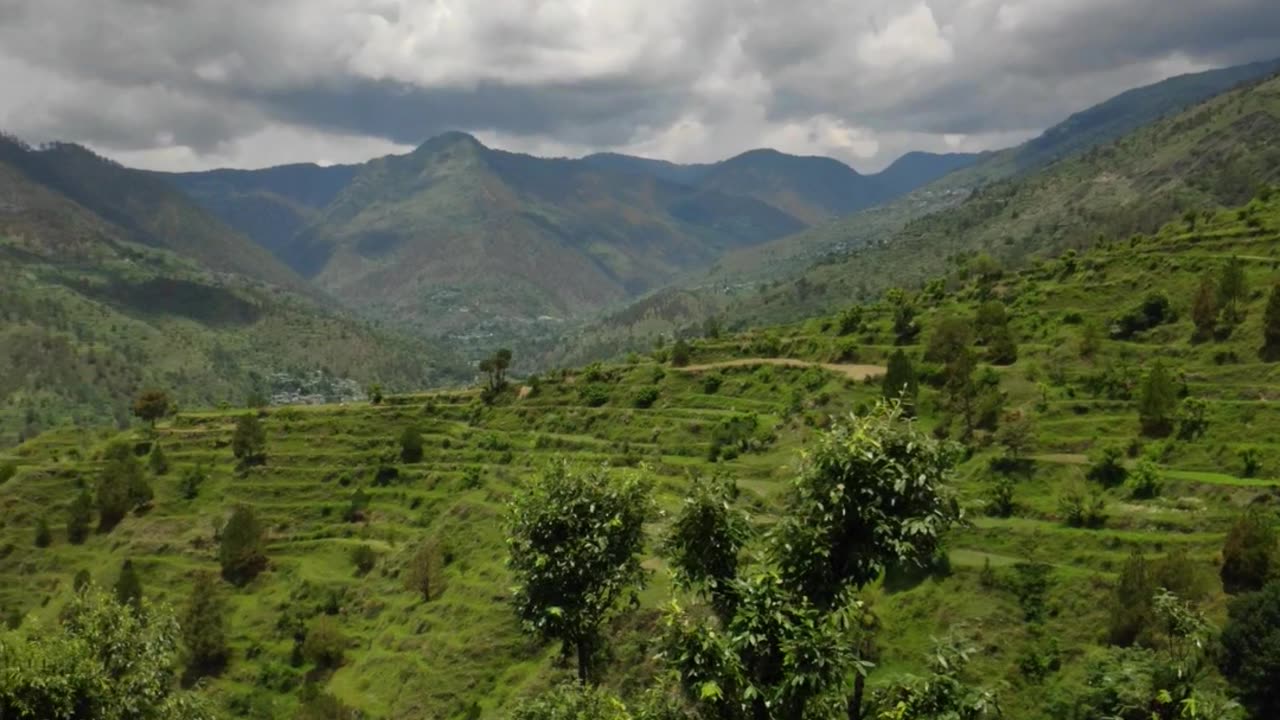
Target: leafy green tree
1002 348
411 445
425 574
949 337
573 702
1157 402
705 540
962 390
128 588
157 463
204 628
849 321
1204 308
1233 289
1191 418
240 551
325 645
900 382
121 487
374 392
574 540
1107 467
249 441
103 661
990 321
79 515
152 405
1090 339
192 479
1130 611
43 537
1017 434
1250 657
1271 326
1250 555
495 369
943 694
905 327
680 353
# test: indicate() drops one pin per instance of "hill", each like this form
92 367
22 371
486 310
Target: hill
92 311
1205 155
1033 583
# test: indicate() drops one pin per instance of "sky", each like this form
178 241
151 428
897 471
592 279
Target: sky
195 84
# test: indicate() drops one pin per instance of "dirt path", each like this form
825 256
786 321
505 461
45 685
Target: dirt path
853 372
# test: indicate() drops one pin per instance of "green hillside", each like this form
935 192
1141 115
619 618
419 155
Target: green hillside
1214 153
93 311
1031 581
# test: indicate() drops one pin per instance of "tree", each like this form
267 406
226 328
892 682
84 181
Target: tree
375 394
1204 308
961 389
680 353
1250 657
79 515
711 328
950 336
425 573
573 702
411 445
240 551
152 405
849 321
1090 339
1131 610
103 660
128 588
1233 290
990 320
249 441
1017 434
1107 467
941 694
192 479
905 327
157 463
43 537
900 382
1158 402
574 540
495 369
1002 349
1271 326
325 645
204 627
705 540
1249 554
121 487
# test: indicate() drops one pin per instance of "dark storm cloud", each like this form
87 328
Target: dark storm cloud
187 83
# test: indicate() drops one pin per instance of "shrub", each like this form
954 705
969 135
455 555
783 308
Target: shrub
1144 481
1249 554
711 383
425 574
1000 502
594 394
357 506
157 463
680 353
79 515
645 397
44 537
7 471
1250 465
204 627
411 445
325 645
240 552
1250 656
1157 402
364 557
192 479
249 442
1081 509
1191 419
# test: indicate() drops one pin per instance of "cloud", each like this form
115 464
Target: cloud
190 83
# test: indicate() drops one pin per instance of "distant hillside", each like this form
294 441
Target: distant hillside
1206 155
92 311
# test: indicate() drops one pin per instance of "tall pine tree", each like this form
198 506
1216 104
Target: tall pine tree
1158 402
1233 289
1204 308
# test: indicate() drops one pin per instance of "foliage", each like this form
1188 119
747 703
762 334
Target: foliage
79 515
1080 509
1154 311
1250 656
364 557
121 486
905 326
1000 502
128 587
1129 613
1191 418
1204 308
204 627
1157 402
249 442
495 369
950 337
940 695
192 479
850 320
411 445
240 552
574 538
374 392
425 574
872 492
103 661
43 536
680 353
1270 351
7 471
1144 482
152 405
1249 462
157 463
1250 555
645 397
900 382
1017 434
1107 467
325 645
705 540
1233 289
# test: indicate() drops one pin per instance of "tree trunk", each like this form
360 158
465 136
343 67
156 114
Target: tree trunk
855 702
584 659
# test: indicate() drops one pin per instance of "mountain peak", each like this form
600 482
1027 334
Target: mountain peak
450 139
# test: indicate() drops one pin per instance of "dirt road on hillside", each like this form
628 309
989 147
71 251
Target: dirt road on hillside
853 372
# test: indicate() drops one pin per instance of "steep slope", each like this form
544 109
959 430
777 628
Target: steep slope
917 169
89 316
1208 154
1033 591
268 206
462 239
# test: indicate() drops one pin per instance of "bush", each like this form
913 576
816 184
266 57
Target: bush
364 557
680 353
1000 503
1249 463
711 383
1154 311
44 537
7 471
594 394
249 442
326 644
1249 554
411 445
240 552
157 463
192 479
425 574
79 515
1082 510
1250 656
204 628
645 397
1144 482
